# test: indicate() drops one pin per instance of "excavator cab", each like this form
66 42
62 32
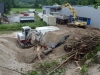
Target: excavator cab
25 31
24 38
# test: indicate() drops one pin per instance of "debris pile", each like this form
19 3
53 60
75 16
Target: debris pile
78 48
4 19
82 46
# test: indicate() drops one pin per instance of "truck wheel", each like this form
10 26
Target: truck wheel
84 27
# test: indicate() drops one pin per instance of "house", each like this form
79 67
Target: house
31 10
49 9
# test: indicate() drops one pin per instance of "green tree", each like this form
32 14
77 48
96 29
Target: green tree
97 4
36 4
44 2
56 1
50 2
13 3
79 2
87 2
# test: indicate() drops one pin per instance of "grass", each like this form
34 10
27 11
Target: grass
32 73
18 26
47 67
84 69
25 9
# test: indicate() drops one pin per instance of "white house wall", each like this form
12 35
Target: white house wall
43 9
85 11
47 10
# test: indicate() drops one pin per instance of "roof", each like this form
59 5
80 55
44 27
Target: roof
31 9
26 18
26 27
47 29
55 6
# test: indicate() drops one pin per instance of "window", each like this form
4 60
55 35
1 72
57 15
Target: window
44 11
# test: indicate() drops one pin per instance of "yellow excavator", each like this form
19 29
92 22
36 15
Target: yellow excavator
75 21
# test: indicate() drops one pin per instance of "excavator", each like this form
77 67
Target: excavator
26 40
75 22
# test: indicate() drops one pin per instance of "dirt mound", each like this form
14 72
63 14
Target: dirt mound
54 36
8 56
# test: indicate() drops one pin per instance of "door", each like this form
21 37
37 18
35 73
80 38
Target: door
88 21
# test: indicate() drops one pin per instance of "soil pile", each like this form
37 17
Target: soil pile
54 36
9 52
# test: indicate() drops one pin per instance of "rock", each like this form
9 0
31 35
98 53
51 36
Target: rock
88 62
98 57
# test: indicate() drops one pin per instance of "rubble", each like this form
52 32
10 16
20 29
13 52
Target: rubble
97 57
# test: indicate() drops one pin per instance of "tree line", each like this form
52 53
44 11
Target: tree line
39 3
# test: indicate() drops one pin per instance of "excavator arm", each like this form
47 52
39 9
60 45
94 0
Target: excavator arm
71 9
75 22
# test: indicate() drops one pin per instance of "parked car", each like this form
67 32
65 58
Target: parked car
26 14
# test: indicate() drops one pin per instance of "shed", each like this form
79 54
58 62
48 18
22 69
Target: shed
31 10
26 19
49 9
85 13
1 7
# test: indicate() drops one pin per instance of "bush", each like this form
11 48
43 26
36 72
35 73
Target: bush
17 12
32 72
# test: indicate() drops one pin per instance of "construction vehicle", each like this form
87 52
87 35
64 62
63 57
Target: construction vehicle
25 37
75 21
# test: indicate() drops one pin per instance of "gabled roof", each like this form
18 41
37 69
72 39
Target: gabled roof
54 6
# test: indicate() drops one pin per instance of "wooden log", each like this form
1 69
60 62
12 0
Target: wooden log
38 54
62 63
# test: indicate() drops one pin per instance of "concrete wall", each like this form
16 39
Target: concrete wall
85 11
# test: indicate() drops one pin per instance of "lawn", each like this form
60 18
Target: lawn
25 9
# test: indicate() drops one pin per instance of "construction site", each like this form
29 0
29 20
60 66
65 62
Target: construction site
14 58
66 46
